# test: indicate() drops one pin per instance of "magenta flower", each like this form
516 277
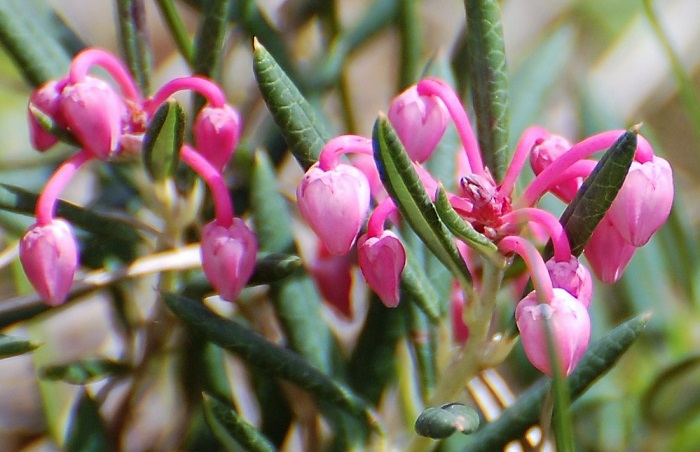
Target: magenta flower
644 201
46 98
382 260
228 256
419 121
49 256
607 252
216 132
333 277
569 324
573 277
547 151
94 112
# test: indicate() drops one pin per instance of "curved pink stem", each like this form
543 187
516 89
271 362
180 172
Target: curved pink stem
46 204
375 224
202 85
436 87
527 140
562 249
85 60
223 206
535 264
343 144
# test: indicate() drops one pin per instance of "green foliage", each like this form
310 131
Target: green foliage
163 140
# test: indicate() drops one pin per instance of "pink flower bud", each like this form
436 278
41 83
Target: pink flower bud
46 98
573 277
547 151
333 276
607 252
382 260
644 202
216 132
228 256
335 204
419 121
94 112
49 256
569 324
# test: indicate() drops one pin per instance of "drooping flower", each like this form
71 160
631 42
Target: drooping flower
333 277
607 252
572 276
382 259
47 99
216 132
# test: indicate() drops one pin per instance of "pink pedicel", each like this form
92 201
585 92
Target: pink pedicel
573 277
95 114
216 132
607 252
333 277
644 202
228 256
47 99
569 324
49 256
335 204
382 260
419 121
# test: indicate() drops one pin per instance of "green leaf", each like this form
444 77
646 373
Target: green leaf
256 351
209 41
672 397
163 139
231 429
597 193
272 267
131 17
84 371
418 289
600 357
442 422
293 114
403 184
47 123
86 429
30 37
13 346
563 432
489 82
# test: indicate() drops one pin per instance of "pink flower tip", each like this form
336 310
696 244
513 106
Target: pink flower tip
607 252
47 99
228 256
572 276
335 204
543 154
216 132
569 324
49 256
382 260
419 121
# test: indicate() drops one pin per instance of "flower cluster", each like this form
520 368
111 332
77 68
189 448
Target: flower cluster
334 199
107 123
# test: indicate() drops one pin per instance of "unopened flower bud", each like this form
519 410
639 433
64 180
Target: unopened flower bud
47 99
382 260
216 132
333 277
607 252
547 151
573 277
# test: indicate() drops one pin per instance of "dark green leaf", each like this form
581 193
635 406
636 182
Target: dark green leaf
84 371
131 17
163 140
672 397
13 346
268 357
600 357
272 267
444 421
209 41
86 430
231 429
293 114
422 337
417 288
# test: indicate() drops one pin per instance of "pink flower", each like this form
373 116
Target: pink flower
95 113
569 324
573 277
216 132
333 276
460 330
382 260
607 252
228 256
49 256
335 204
419 121
46 98
644 202
547 151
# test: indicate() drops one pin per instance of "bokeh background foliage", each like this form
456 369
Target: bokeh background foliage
576 67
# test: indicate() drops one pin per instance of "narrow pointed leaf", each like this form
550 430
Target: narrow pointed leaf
13 346
416 286
256 351
407 191
600 357
131 17
270 210
84 371
422 337
672 397
231 429
489 81
441 422
163 140
86 429
209 41
293 114
273 267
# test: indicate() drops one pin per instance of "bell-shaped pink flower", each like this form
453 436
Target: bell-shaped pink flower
228 256
333 277
644 202
94 112
607 252
569 324
547 151
382 260
335 204
419 121
216 132
49 256
46 98
573 277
